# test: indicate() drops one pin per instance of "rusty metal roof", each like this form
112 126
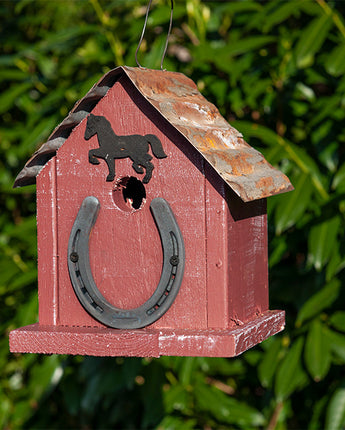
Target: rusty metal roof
178 100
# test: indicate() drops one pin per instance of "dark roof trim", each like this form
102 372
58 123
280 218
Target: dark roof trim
178 100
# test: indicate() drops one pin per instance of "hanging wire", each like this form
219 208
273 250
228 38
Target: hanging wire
169 31
144 29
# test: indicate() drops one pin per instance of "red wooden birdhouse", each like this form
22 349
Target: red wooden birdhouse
152 235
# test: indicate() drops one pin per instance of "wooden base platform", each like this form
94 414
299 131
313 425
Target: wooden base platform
146 342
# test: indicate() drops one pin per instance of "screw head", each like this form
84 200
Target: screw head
74 257
174 260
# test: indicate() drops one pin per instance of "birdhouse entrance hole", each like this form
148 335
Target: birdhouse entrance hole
129 194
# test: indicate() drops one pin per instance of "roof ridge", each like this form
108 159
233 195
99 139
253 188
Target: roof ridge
177 99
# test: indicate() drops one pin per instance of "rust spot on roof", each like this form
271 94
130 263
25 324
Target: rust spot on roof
178 100
266 183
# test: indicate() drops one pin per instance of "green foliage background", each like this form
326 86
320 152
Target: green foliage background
276 70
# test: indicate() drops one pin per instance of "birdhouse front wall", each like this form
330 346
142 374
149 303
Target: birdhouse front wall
225 278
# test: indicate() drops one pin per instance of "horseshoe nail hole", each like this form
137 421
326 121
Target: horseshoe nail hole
129 194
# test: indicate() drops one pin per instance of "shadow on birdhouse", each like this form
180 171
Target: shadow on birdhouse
152 228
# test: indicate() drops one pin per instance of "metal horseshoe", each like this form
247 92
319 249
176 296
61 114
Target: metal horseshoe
84 285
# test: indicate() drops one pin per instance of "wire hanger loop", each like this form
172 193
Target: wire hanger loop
144 29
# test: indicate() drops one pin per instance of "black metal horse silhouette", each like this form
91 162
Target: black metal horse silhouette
112 146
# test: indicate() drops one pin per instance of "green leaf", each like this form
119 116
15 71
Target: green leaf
186 370
8 98
337 320
335 61
311 40
318 408
304 92
21 413
214 366
339 179
317 352
175 423
281 13
153 58
152 398
335 414
336 262
322 238
236 7
40 132
269 363
5 409
337 343
47 373
13 75
327 108
278 249
234 48
224 408
176 398
290 374
293 205
319 301
248 44
63 38
27 313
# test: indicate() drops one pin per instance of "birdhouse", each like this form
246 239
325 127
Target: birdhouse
152 228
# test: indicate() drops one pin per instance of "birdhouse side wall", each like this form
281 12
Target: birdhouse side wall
247 259
236 247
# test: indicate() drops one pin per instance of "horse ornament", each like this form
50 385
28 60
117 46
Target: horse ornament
136 148
112 146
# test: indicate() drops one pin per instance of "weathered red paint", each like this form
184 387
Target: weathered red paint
47 240
125 249
222 306
146 342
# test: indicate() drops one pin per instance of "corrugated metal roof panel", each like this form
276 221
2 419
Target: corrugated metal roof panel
178 100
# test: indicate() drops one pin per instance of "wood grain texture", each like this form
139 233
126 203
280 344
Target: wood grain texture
146 342
236 249
101 342
247 258
125 248
222 343
47 237
216 250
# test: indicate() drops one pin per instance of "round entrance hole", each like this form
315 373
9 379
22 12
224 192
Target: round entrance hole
129 194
